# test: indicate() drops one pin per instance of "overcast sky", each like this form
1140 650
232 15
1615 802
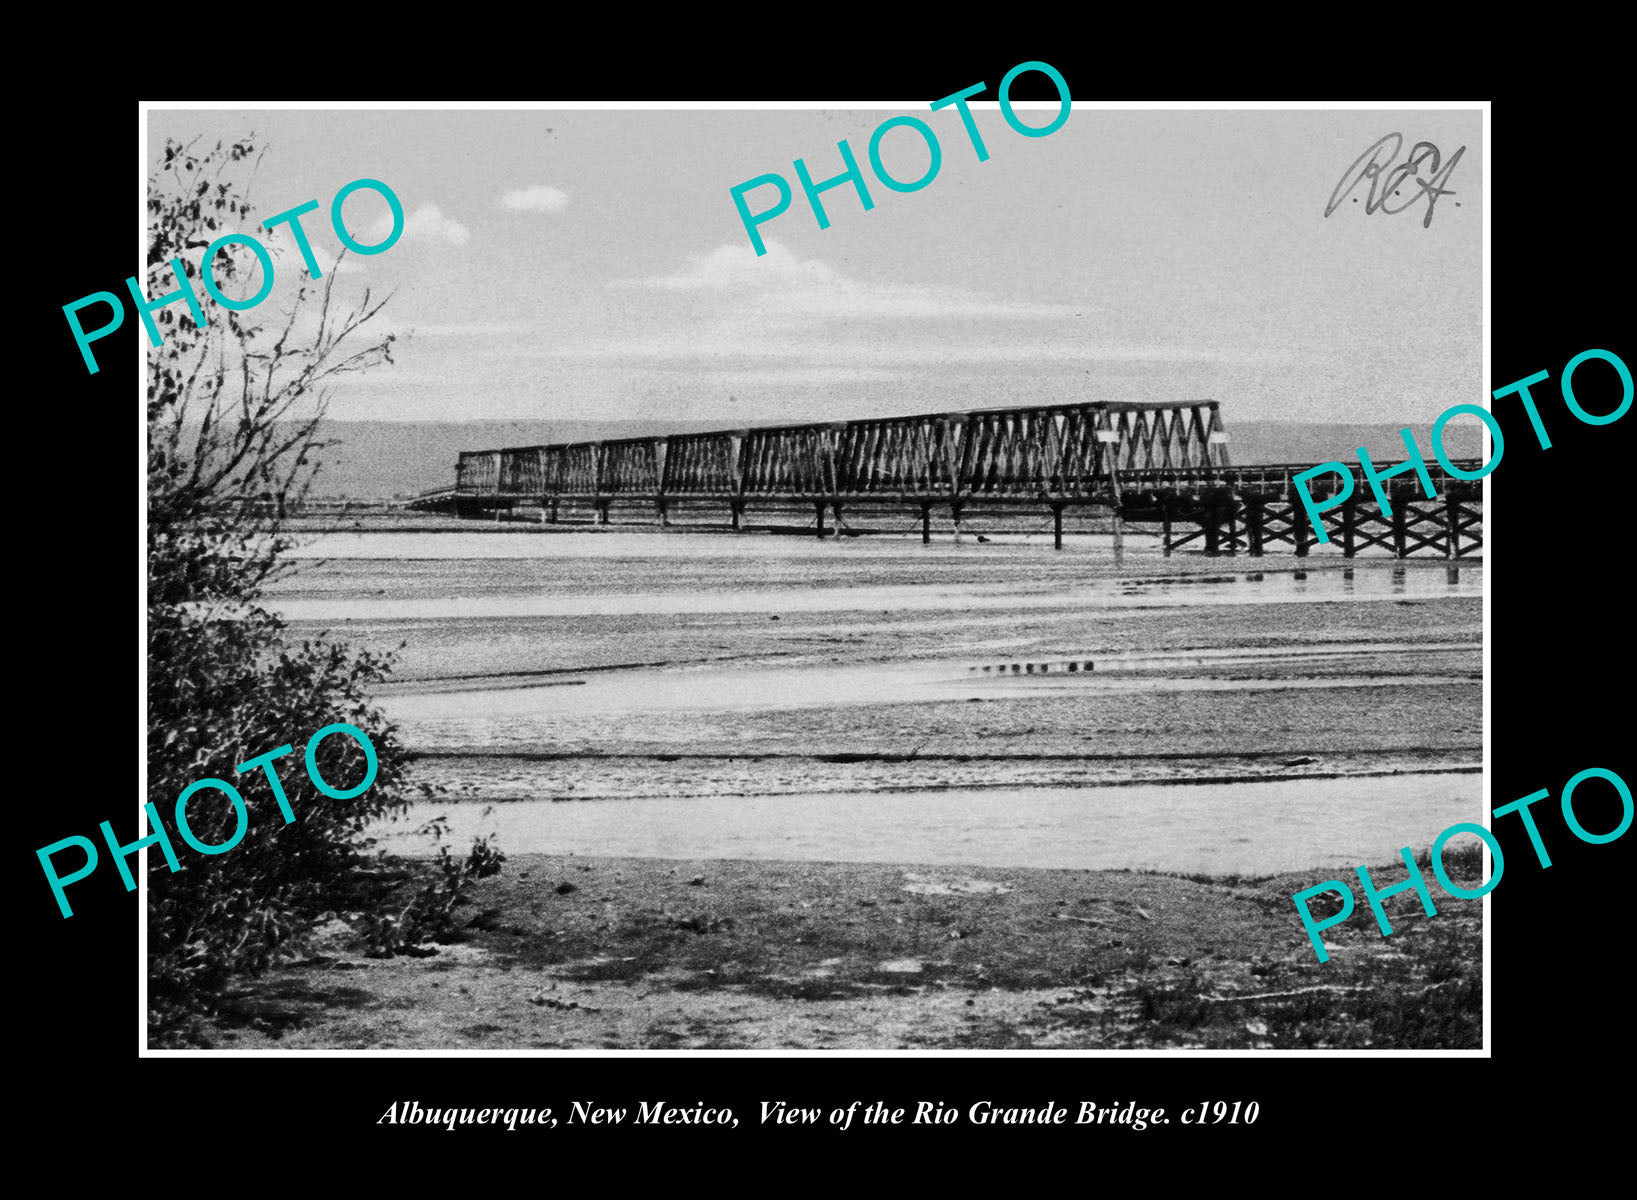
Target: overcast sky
590 264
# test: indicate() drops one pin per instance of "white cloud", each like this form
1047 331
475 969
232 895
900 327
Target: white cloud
540 199
289 263
740 268
846 298
779 319
467 330
809 287
719 347
426 224
802 375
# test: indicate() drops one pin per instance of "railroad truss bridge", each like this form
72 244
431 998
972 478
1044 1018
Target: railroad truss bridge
1154 464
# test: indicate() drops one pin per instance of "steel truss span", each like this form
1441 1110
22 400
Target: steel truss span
1149 463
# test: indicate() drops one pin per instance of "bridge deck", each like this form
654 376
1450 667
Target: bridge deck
1143 462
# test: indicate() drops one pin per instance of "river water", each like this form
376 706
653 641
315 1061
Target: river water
698 696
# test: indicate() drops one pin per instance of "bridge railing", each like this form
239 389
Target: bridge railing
702 464
1092 452
477 472
1279 478
895 456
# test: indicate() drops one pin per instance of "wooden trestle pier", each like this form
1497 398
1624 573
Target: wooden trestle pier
1164 464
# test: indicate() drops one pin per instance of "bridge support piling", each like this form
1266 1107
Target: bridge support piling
1119 537
1018 456
1301 529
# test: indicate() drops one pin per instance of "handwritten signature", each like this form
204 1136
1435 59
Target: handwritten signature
1388 181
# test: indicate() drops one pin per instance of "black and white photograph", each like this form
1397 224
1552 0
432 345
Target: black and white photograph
743 598
813 577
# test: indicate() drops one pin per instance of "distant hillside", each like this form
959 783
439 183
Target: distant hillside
401 458
392 458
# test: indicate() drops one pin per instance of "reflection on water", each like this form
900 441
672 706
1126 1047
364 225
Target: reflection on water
583 645
460 576
730 688
1248 828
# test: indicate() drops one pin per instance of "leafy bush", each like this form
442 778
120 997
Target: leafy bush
430 911
233 411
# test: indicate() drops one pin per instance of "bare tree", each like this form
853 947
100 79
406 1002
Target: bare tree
233 413
234 407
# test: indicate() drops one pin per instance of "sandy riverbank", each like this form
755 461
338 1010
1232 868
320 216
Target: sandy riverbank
568 952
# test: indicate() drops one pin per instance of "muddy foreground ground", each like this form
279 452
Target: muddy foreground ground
565 952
